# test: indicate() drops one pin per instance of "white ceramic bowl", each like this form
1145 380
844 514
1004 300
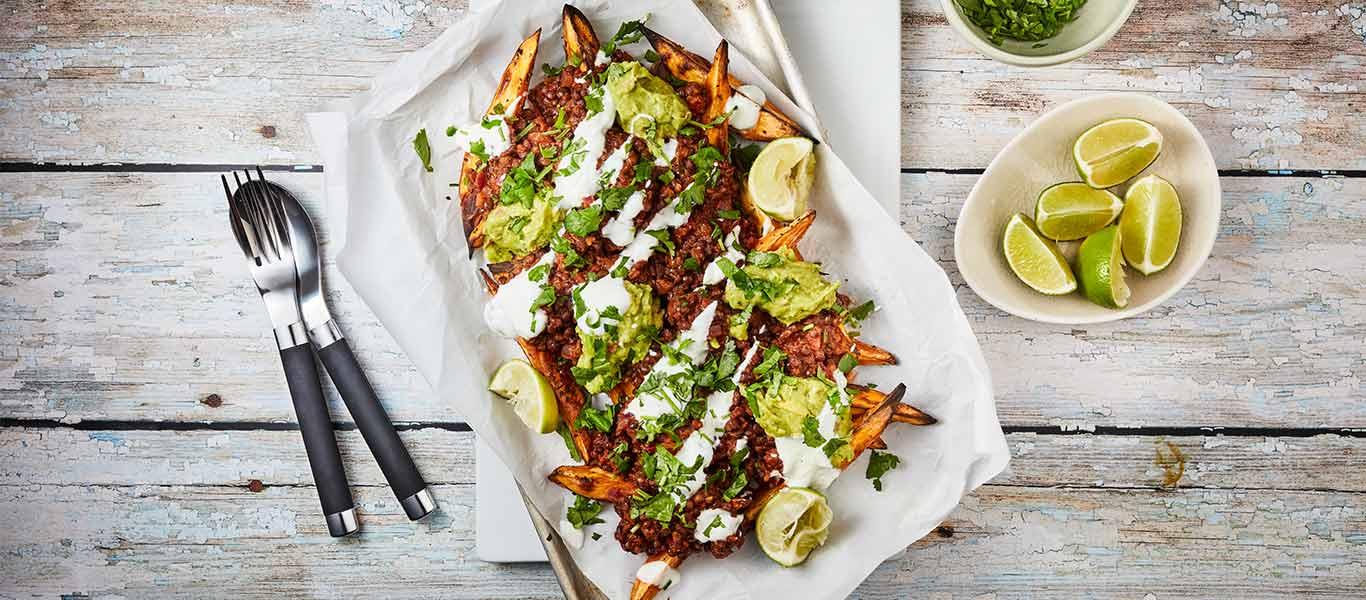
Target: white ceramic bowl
1096 23
1041 156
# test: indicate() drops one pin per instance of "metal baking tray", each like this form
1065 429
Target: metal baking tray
751 27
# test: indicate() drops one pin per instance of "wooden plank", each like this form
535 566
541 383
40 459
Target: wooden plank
124 298
69 457
1272 86
141 541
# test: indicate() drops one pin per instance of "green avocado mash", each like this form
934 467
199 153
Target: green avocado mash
781 414
637 92
600 363
787 288
513 230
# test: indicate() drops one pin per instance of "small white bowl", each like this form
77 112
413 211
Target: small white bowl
1096 23
1041 156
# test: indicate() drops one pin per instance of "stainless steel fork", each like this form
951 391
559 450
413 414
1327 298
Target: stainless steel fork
258 223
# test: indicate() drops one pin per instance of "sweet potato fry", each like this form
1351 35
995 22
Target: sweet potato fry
788 235
594 483
580 41
865 399
685 65
868 354
644 591
870 426
513 86
718 94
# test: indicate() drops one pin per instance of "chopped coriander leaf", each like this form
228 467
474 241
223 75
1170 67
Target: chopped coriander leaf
593 100
568 438
550 71
592 418
596 536
811 434
423 148
651 55
614 198
478 150
538 272
525 130
664 239
643 171
583 221
736 487
691 264
450 130
583 512
545 298
619 459
862 311
728 214
847 363
715 522
571 257
879 463
1023 20
833 445
629 32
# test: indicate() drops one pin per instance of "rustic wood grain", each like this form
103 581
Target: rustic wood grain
141 541
1272 85
71 457
140 513
126 299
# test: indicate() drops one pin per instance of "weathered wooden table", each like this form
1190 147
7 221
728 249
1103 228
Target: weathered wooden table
1213 447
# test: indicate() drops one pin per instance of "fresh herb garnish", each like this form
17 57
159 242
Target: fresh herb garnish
583 512
583 221
592 418
811 434
423 148
568 438
848 362
629 32
879 463
1023 20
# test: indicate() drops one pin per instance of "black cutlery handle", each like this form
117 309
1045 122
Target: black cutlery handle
378 431
315 423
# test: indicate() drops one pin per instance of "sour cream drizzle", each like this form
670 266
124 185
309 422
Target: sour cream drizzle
509 312
496 139
591 134
706 532
598 296
744 105
692 346
657 573
804 466
713 274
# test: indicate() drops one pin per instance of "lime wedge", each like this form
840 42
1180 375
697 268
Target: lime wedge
1071 211
780 179
1035 259
529 394
1151 224
1101 269
1112 152
792 524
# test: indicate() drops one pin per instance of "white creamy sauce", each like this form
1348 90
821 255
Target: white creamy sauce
643 245
497 139
692 345
657 573
509 312
597 297
702 442
708 531
622 228
611 166
592 130
713 273
744 104
601 59
804 466
670 148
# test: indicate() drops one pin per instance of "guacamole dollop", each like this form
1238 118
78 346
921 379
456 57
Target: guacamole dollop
782 412
513 230
599 366
647 106
786 288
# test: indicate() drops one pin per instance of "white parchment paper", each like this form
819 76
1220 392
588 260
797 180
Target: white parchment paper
403 251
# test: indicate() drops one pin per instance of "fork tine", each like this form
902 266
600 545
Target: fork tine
234 220
264 229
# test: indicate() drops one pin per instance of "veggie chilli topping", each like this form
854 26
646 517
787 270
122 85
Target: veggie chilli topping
699 364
